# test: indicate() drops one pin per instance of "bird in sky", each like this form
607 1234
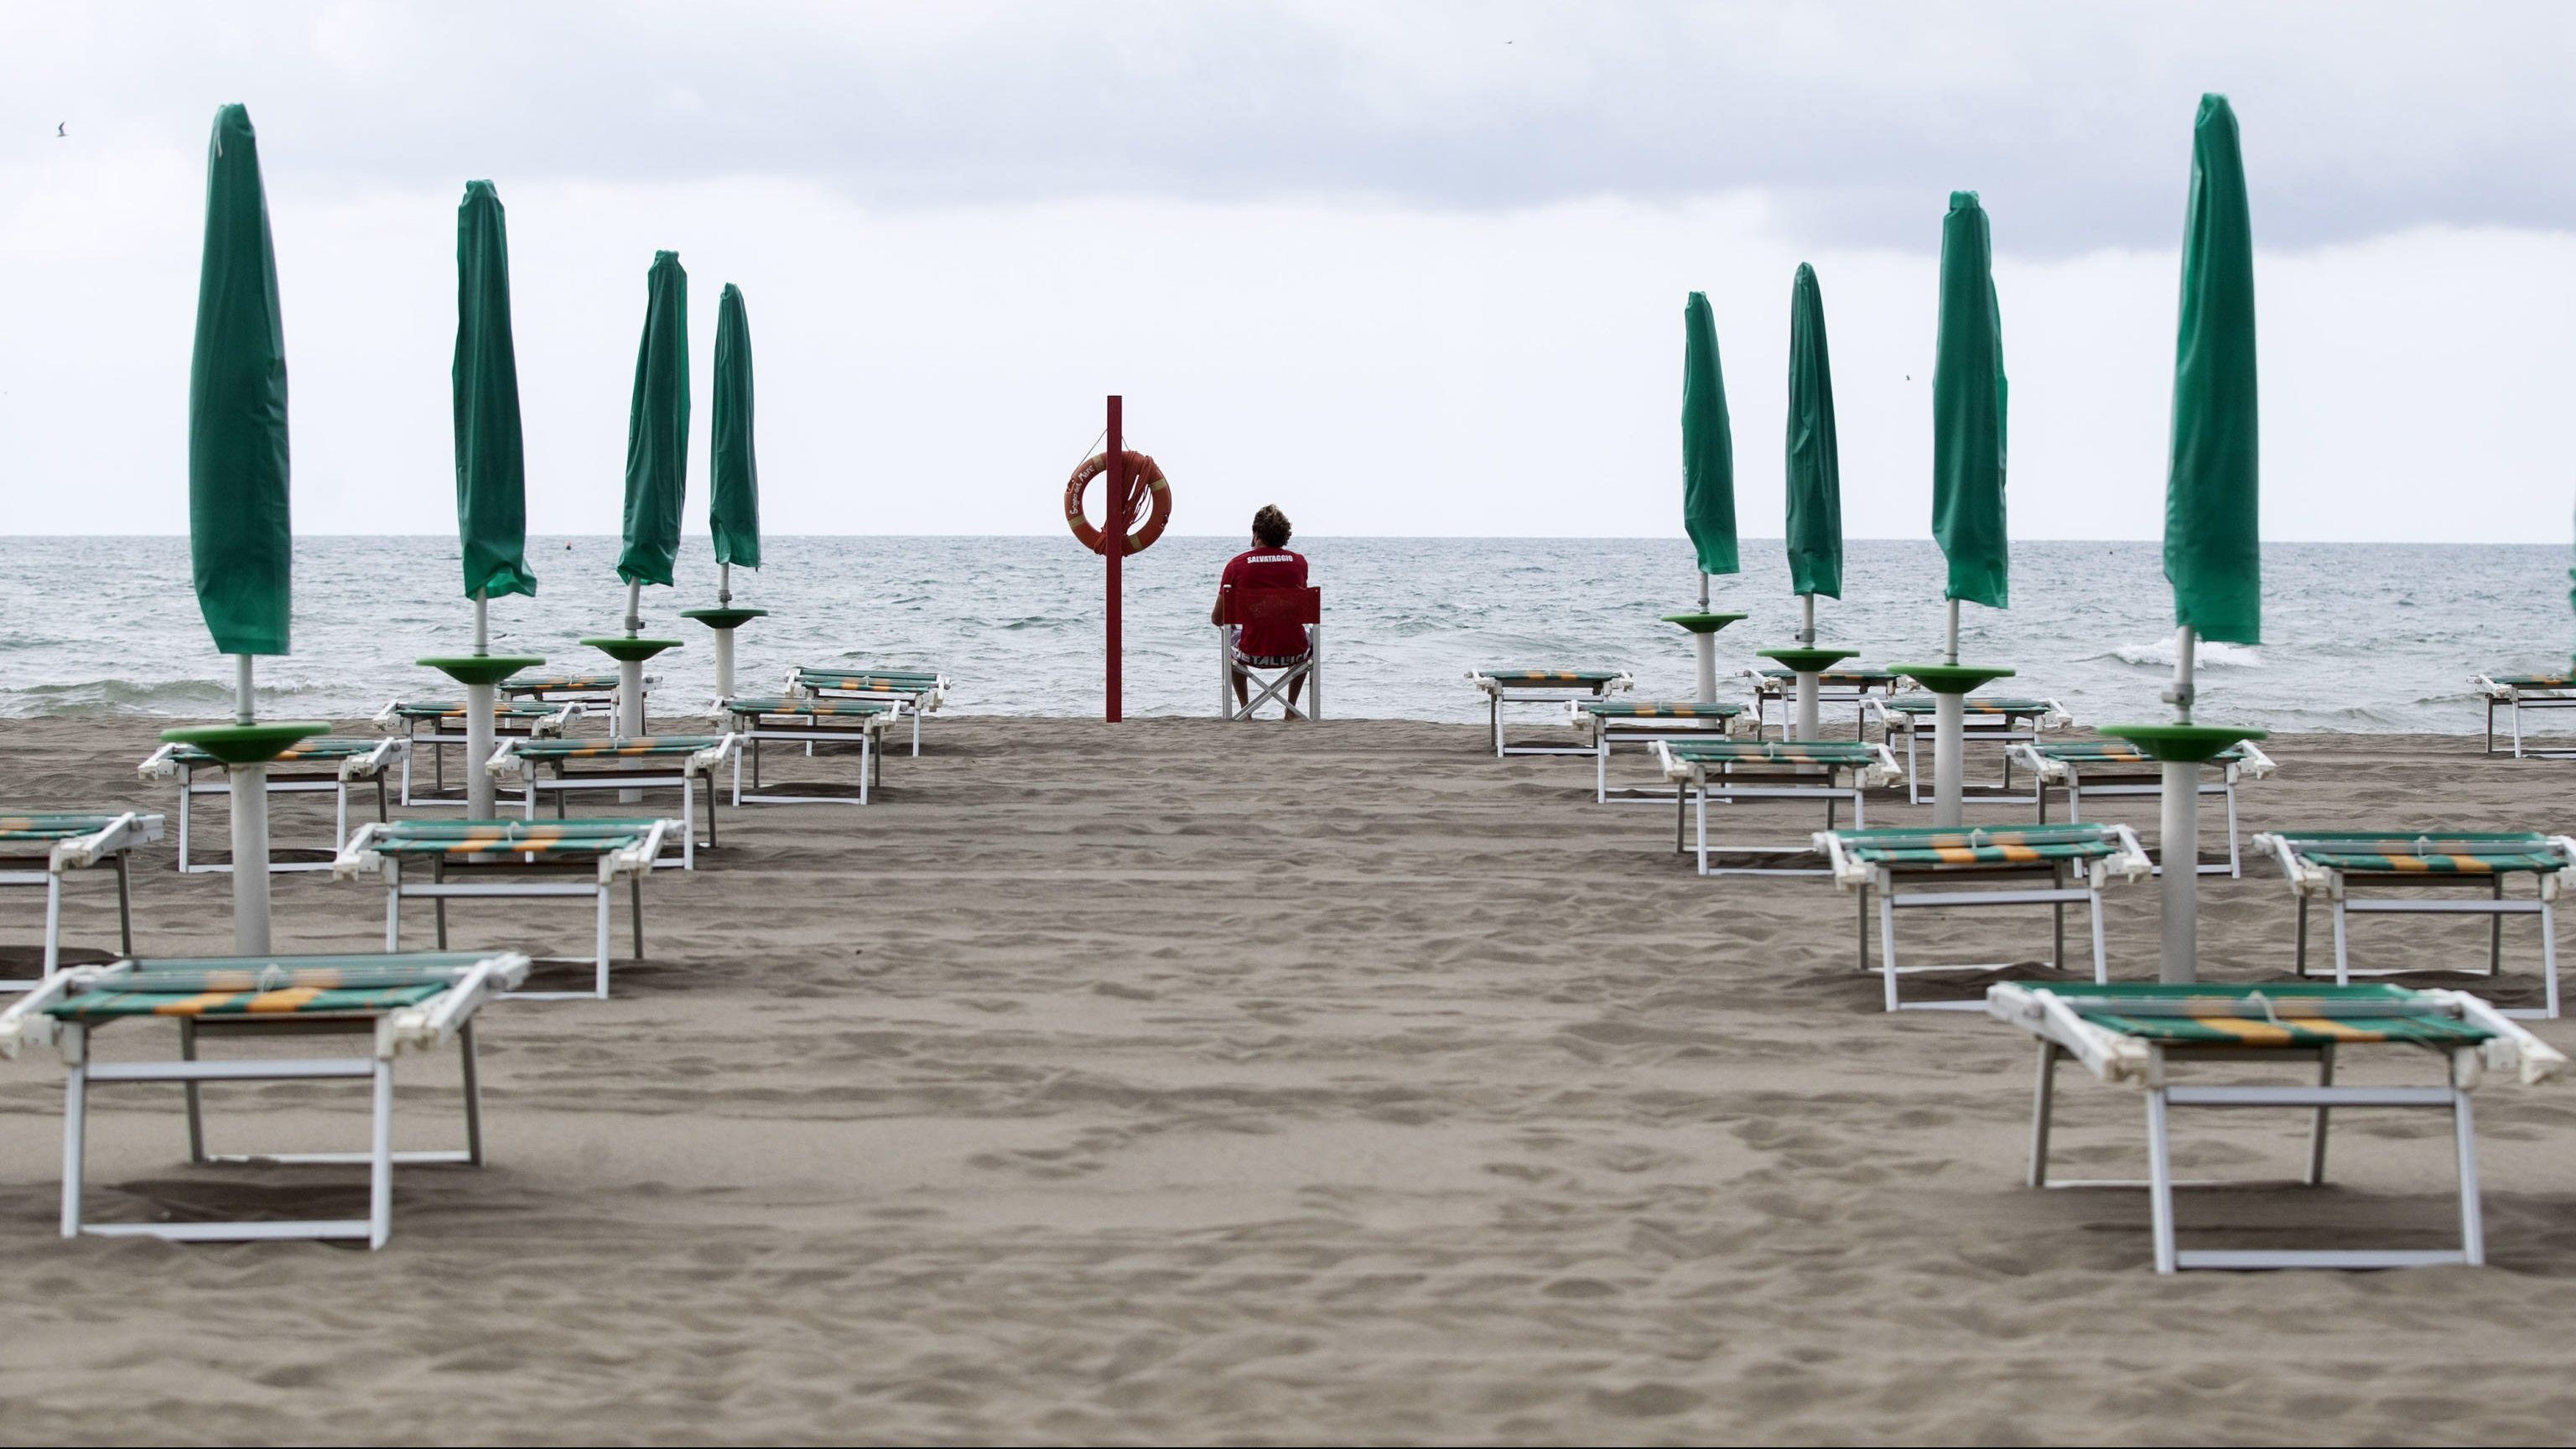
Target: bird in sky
59 133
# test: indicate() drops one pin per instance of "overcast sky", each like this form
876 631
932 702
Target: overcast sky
1402 268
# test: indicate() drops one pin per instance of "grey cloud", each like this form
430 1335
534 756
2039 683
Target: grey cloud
1853 120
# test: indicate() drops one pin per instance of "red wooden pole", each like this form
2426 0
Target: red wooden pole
1113 539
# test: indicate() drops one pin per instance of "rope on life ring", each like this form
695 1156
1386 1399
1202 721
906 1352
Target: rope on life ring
1140 469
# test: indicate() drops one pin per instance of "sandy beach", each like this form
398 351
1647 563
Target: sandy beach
1172 1081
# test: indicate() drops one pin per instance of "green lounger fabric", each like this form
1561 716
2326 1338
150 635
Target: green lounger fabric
2283 1015
1594 677
1842 675
598 749
284 1001
2534 681
2118 752
2470 852
844 708
1925 704
451 709
815 677
329 747
2018 845
1657 709
510 837
1760 752
52 825
557 683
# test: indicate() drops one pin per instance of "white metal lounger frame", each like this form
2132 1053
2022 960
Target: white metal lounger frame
1498 693
650 772
537 879
914 702
1768 687
2309 880
583 701
438 738
1766 780
2115 1058
1895 893
866 731
2114 777
2516 698
2004 728
286 777
420 1027
109 843
1608 730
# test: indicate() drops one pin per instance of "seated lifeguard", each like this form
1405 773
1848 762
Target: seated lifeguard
1264 642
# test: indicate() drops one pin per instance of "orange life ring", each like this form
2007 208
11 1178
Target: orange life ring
1140 469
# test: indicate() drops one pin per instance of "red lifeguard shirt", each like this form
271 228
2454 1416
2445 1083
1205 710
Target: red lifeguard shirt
1268 568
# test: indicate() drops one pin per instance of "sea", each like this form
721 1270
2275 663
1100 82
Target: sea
2356 637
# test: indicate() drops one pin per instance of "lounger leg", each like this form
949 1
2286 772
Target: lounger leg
393 907
124 907
689 822
380 1167
867 762
1887 943
916 731
53 921
2495 929
2299 956
340 817
1860 806
382 815
2074 802
1600 766
2057 913
599 966
635 910
2235 857
75 1123
473 1093
1864 930
1681 817
2343 961
1494 708
1913 775
2101 958
2473 1232
1703 829
2317 1127
438 904
2549 956
193 1092
2491 724
2514 710
737 776
186 779
2042 1100
2160 1181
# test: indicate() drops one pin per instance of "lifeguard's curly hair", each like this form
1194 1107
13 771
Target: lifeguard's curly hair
1271 526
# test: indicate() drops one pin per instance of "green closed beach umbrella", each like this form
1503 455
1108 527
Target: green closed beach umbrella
657 476
491 471
1815 493
1968 407
1708 480
2213 534
733 504
241 543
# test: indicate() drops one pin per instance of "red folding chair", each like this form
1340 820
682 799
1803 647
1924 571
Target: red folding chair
1303 607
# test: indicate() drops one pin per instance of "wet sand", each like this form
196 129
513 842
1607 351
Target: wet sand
1267 1084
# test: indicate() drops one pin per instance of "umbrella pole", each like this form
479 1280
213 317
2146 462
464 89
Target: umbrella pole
630 684
478 726
250 831
724 637
1949 718
1809 725
1704 649
2180 845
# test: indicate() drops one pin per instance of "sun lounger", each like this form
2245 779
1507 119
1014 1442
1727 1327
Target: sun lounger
2131 1033
1997 719
918 691
1851 684
588 692
2335 863
2518 692
1730 770
329 763
2117 767
1555 688
1643 722
811 722
36 848
686 763
1913 867
507 858
393 1003
439 723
